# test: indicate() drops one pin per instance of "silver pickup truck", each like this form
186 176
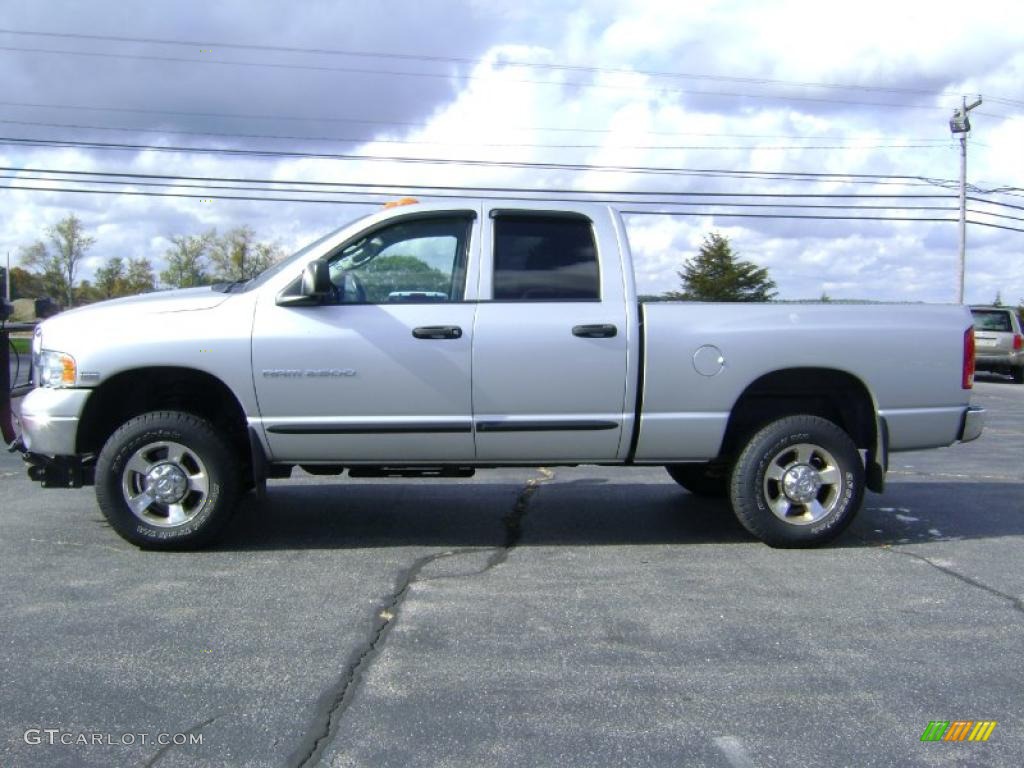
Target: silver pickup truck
436 339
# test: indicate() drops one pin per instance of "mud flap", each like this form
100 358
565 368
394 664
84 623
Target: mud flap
877 459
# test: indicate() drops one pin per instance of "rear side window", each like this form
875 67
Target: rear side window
991 320
545 258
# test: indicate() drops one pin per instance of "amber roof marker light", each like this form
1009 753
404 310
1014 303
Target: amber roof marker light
400 202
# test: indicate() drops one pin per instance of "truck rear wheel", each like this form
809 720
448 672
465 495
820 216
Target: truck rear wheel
167 480
798 482
701 479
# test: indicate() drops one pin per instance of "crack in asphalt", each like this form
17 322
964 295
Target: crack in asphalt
954 475
1016 602
336 700
513 521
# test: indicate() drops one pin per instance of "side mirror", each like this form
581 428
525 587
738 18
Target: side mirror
316 280
312 289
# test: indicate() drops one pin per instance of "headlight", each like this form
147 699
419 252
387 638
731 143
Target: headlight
55 369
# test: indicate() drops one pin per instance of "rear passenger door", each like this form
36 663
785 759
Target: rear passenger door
549 344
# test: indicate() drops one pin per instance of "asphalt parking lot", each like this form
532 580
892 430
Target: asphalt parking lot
569 617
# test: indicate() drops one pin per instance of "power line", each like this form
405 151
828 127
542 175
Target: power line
994 226
590 69
364 202
450 76
1009 102
538 195
411 124
250 116
995 215
780 216
400 188
187 195
995 202
635 212
935 142
776 175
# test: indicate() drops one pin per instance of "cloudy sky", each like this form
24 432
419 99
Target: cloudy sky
783 112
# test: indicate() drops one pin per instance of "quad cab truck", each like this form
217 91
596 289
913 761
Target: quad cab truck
433 340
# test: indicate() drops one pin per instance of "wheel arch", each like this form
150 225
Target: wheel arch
830 393
136 391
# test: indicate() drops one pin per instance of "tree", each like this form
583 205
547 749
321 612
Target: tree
716 274
25 285
110 278
58 263
120 279
139 277
236 255
87 293
388 274
44 273
186 260
998 300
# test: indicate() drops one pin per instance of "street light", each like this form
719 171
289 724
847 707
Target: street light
960 124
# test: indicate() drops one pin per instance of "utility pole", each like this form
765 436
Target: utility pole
7 276
960 124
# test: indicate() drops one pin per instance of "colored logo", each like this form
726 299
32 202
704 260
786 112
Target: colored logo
959 730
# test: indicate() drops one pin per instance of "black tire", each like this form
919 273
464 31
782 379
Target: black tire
701 479
182 455
1018 375
778 455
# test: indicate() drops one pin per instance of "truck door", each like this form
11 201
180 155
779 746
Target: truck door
382 371
549 348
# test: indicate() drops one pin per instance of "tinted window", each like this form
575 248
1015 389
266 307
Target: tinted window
544 258
418 260
991 320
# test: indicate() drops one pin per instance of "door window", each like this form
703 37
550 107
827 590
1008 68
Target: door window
412 261
545 258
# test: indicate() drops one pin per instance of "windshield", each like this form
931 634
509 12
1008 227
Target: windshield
289 261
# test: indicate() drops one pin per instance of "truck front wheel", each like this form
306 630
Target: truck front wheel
798 482
167 480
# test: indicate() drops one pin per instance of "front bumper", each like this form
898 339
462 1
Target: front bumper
49 420
972 425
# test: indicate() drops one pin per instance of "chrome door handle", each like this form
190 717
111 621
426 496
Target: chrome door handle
600 331
437 332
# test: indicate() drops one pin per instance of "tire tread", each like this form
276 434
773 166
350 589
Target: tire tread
109 497
745 508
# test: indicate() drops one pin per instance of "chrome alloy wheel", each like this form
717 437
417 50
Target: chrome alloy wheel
165 484
803 484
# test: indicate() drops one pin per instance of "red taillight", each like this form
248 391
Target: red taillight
1018 342
968 378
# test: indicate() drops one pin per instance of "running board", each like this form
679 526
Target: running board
440 471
